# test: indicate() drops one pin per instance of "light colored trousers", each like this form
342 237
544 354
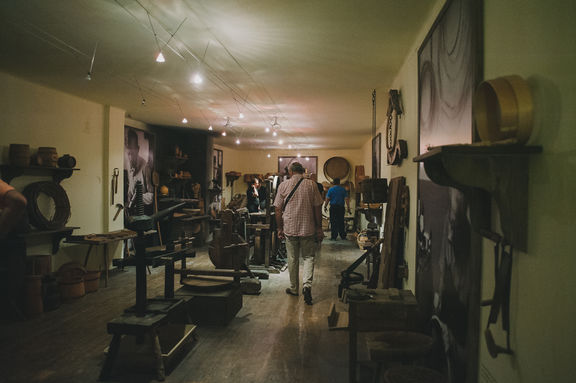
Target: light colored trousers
305 247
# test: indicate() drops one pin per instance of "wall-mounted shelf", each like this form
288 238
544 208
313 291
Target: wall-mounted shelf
57 235
9 172
500 170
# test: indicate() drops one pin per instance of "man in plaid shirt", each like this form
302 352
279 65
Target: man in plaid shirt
299 222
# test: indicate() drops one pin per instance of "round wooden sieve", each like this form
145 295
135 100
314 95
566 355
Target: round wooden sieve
336 167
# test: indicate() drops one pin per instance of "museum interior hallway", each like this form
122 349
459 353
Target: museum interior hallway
274 338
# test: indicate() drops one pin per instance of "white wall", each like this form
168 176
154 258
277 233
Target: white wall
533 39
39 116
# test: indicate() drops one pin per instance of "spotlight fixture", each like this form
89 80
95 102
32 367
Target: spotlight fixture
184 120
210 127
289 146
307 158
143 102
240 115
298 155
237 141
197 79
160 58
226 126
88 76
274 133
280 142
267 129
268 155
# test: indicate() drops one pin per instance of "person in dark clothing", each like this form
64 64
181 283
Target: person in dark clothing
337 196
256 196
314 178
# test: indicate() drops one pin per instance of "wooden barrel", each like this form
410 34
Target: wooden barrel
19 154
33 295
47 156
336 167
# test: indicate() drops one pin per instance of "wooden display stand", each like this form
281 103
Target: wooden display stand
212 307
372 310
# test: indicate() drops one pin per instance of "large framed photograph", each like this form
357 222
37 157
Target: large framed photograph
376 155
447 272
310 163
139 158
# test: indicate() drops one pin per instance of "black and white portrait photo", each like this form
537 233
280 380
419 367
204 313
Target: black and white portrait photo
138 167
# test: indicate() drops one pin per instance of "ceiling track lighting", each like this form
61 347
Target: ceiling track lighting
89 74
184 120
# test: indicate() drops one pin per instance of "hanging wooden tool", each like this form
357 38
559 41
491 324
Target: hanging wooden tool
155 183
396 149
393 245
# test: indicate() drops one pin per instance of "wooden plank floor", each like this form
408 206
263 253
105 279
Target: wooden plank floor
275 338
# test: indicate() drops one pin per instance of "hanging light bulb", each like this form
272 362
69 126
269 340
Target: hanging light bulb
88 76
307 158
160 58
298 155
240 115
267 129
226 126
237 141
197 79
268 155
143 102
280 142
274 133
184 120
210 127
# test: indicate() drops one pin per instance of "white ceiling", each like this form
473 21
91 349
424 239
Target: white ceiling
312 64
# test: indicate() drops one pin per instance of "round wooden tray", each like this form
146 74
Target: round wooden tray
208 283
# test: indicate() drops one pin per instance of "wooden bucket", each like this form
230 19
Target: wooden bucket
72 289
92 281
19 155
47 156
71 281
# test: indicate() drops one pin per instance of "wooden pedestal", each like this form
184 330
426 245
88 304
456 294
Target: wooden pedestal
212 308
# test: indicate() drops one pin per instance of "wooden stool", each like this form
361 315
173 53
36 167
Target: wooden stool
413 374
397 346
136 326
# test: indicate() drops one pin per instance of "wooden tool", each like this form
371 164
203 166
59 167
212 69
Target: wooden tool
120 207
156 182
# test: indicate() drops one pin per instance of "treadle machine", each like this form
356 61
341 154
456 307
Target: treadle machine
217 293
350 277
150 317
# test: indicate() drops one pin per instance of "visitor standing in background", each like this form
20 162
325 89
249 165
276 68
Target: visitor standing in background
298 207
337 197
